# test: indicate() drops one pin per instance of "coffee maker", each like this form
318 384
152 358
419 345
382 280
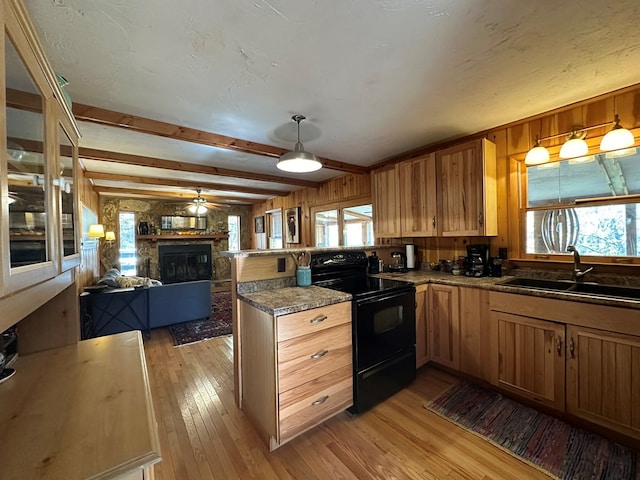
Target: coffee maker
477 260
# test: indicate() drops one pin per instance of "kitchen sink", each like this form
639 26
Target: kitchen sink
568 286
538 283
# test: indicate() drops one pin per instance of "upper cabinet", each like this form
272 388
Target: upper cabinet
386 202
451 192
38 211
467 195
418 197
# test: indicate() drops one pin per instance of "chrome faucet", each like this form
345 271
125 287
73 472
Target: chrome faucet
578 275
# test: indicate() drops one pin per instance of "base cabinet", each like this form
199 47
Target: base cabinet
422 337
538 340
530 358
297 369
444 325
603 378
474 332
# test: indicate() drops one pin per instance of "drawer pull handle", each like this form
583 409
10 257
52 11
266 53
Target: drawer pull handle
318 319
320 401
320 354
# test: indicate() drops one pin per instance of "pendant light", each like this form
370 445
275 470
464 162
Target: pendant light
537 155
617 138
299 161
575 146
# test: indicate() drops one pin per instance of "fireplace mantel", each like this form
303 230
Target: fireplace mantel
155 238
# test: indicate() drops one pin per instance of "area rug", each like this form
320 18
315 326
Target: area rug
549 444
218 324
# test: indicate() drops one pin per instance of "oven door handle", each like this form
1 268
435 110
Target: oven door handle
390 296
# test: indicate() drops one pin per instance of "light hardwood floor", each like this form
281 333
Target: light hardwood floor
204 436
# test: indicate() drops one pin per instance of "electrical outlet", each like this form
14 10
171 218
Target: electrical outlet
282 264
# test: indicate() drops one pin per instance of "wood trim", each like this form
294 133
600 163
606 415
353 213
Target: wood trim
179 183
128 159
160 193
110 118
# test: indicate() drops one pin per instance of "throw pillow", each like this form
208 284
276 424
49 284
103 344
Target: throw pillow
110 278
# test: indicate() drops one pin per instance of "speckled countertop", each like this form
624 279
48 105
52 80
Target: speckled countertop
494 283
282 251
286 300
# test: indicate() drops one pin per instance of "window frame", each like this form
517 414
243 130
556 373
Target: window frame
339 206
518 182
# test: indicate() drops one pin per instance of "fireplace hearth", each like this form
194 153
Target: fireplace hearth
184 263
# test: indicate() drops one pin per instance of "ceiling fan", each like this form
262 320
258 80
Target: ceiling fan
199 205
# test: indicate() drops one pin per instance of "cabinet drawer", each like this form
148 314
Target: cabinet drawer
309 321
313 402
302 359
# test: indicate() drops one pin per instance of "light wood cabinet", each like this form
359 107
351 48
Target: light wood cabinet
530 358
467 195
536 341
422 336
474 332
386 202
444 325
603 378
39 237
297 369
418 197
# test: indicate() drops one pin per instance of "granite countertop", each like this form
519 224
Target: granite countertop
419 277
286 300
286 251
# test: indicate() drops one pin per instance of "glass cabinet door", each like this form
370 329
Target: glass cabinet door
66 183
29 236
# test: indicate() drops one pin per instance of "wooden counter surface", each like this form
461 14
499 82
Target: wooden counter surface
79 411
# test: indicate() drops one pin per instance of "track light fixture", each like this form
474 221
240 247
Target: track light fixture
575 147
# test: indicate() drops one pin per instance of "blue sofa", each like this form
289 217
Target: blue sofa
115 310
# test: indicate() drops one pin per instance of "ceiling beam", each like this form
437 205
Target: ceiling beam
179 183
110 118
162 194
128 159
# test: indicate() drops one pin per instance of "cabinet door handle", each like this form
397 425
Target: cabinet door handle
481 218
559 345
319 354
572 348
320 401
318 319
433 221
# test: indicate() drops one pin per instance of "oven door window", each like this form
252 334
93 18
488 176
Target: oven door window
384 327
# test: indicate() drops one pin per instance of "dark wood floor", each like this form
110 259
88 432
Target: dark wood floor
204 436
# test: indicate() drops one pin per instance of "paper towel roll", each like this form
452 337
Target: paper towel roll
411 256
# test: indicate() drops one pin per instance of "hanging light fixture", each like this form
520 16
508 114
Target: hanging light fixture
617 138
618 142
537 155
198 206
299 161
575 146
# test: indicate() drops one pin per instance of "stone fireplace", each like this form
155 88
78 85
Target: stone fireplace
184 263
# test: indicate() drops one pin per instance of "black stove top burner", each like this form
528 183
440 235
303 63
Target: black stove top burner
363 285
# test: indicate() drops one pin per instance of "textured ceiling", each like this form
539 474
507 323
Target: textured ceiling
374 78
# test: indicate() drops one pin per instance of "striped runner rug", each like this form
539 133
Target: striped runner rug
543 441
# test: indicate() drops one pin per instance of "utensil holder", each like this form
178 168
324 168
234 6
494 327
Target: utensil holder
303 276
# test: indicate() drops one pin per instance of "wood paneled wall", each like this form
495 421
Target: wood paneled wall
336 190
89 269
514 139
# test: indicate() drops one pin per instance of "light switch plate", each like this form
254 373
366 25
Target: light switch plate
282 265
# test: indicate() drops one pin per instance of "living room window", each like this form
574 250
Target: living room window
590 202
127 231
233 221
